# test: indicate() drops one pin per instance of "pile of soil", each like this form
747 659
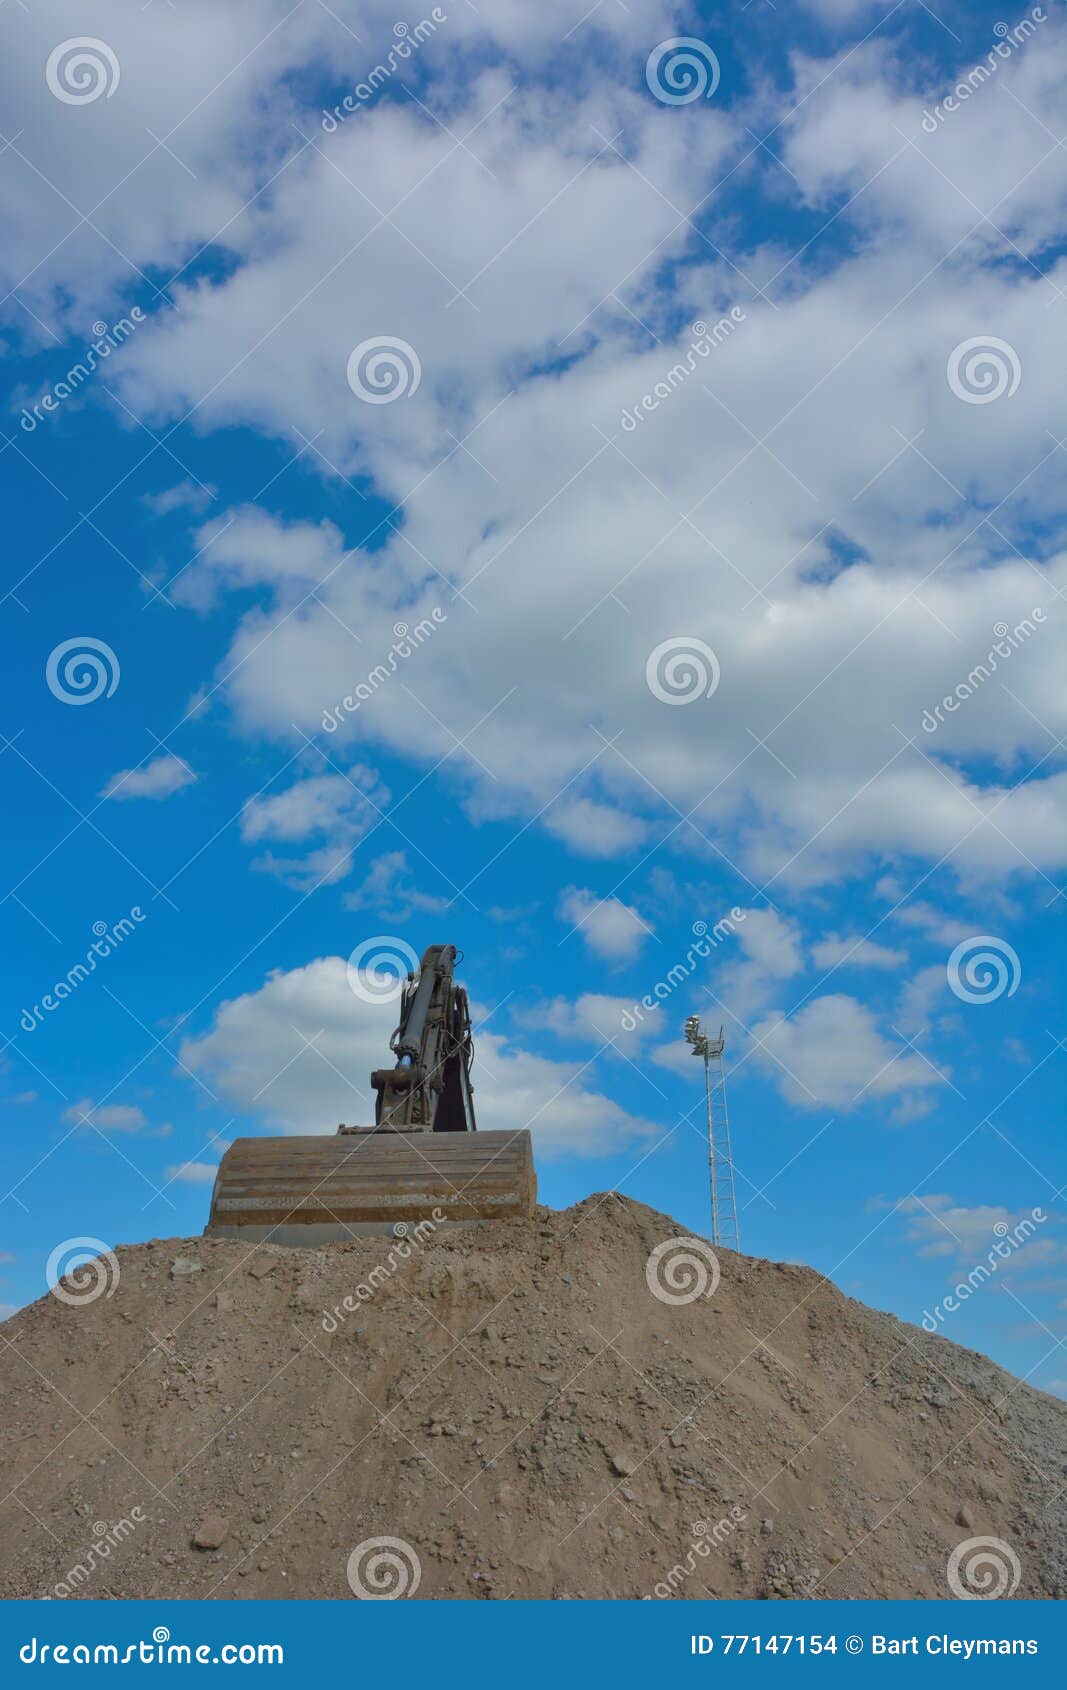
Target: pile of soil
521 1414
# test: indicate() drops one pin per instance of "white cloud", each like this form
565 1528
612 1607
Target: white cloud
610 928
854 951
184 495
594 1017
299 1053
336 810
112 1118
389 890
193 1173
593 829
773 952
831 1054
157 779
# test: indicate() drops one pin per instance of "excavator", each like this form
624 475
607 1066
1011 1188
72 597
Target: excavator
423 1159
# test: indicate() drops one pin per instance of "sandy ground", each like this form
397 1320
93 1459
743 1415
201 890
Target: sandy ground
522 1414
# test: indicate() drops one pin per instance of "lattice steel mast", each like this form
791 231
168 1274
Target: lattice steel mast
725 1229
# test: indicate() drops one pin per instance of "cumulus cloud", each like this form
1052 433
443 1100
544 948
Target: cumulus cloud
389 889
832 1054
329 813
157 779
298 1054
843 583
611 929
112 1118
193 1173
854 951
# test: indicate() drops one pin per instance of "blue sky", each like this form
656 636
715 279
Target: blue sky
835 510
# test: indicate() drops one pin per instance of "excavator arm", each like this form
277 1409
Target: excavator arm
419 1162
430 1087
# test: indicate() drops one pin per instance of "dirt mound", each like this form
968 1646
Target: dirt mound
518 1409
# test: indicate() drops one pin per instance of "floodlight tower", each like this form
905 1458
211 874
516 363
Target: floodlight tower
724 1225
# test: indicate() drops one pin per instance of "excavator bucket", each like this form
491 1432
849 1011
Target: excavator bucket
324 1190
423 1160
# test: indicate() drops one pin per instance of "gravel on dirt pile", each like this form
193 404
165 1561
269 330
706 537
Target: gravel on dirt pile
517 1408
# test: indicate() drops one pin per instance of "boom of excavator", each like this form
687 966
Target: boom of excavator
422 1160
